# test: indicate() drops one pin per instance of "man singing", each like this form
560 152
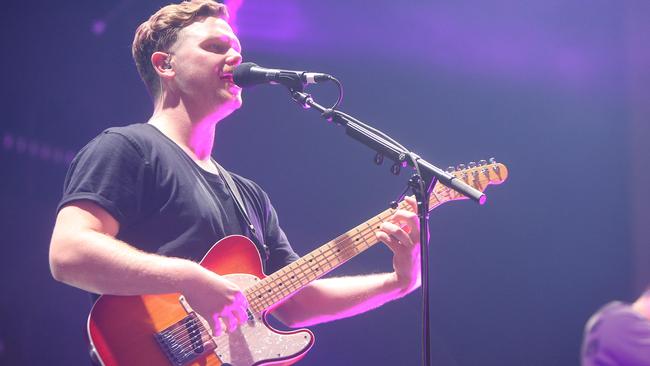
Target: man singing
143 203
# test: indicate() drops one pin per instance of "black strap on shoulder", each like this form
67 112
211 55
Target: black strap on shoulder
234 192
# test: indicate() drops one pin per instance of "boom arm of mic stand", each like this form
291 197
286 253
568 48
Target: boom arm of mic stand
381 145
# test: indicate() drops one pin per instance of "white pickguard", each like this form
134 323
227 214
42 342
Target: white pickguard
255 341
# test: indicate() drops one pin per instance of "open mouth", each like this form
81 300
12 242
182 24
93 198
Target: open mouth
227 77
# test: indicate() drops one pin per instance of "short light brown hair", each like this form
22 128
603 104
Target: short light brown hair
161 30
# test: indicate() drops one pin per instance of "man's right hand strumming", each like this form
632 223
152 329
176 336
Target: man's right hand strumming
216 300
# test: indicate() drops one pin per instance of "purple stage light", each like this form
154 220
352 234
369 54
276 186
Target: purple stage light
439 37
8 142
36 149
275 21
98 27
233 9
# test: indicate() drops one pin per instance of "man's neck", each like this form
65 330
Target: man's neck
192 131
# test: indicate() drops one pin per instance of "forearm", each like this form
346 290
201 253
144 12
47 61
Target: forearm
340 297
101 264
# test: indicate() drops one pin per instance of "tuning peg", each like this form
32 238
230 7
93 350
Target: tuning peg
451 169
460 167
482 162
471 164
495 167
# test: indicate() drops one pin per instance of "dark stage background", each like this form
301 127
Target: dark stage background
555 89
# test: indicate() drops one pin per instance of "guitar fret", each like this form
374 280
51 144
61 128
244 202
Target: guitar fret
284 283
359 236
434 196
327 251
274 296
294 287
278 288
254 304
285 290
329 257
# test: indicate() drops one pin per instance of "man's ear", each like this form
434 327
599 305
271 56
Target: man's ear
161 62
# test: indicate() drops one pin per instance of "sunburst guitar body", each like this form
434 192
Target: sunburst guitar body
163 330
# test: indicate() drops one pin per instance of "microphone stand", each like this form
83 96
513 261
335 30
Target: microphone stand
421 183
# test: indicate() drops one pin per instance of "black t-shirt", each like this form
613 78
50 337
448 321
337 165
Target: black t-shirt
164 202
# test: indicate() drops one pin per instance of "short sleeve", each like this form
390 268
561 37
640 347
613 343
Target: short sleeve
109 171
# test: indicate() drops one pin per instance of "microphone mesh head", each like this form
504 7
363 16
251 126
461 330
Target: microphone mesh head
242 75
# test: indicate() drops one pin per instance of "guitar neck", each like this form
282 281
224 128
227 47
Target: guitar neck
312 266
286 281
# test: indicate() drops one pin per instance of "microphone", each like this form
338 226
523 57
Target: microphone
249 74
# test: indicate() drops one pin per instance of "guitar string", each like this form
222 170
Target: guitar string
334 244
186 349
306 269
306 272
310 272
185 342
180 331
337 250
220 341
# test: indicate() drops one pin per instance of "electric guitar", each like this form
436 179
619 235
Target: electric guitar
152 330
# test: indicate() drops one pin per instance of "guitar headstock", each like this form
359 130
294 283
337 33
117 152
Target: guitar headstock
478 175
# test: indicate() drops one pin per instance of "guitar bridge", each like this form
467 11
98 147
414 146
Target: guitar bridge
185 340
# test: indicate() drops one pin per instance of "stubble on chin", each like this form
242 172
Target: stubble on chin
231 103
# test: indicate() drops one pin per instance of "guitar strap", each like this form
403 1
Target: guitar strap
241 207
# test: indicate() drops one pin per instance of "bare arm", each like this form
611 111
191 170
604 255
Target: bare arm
335 298
85 253
340 297
642 304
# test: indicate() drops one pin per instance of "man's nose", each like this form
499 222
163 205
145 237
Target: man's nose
234 59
